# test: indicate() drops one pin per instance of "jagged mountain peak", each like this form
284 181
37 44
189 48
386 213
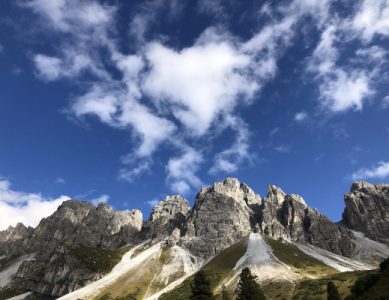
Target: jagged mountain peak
75 204
224 214
278 196
232 187
363 186
170 206
275 194
367 210
167 216
12 233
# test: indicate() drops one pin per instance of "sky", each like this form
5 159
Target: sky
126 102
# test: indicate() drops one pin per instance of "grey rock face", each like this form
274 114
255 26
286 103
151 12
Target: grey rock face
76 223
15 233
288 217
367 210
81 223
167 215
13 239
223 214
54 272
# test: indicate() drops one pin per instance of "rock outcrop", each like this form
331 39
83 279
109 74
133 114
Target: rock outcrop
19 232
222 215
288 217
168 215
55 271
367 210
13 240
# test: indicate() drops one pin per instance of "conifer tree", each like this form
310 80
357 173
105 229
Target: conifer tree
201 289
248 288
332 291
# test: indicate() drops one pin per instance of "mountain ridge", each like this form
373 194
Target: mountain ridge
223 214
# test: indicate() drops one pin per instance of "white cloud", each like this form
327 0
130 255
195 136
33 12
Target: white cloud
49 67
199 83
345 90
300 116
380 171
385 102
371 19
147 15
101 199
229 160
373 53
341 89
182 170
117 108
131 175
68 15
28 208
178 97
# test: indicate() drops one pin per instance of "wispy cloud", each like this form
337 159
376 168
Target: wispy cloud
153 203
379 171
182 169
60 180
131 175
300 116
177 98
101 199
282 148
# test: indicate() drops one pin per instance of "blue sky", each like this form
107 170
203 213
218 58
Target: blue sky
126 102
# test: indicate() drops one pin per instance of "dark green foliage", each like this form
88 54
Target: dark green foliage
332 291
8 293
248 288
109 297
363 284
201 288
384 265
105 297
97 260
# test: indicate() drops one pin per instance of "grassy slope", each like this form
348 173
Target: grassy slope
301 263
98 260
217 270
221 266
8 293
380 290
136 283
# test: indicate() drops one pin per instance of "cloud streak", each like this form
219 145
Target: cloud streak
379 171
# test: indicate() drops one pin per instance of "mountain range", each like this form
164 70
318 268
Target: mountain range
87 252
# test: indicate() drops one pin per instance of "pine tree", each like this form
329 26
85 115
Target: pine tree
332 291
201 289
248 288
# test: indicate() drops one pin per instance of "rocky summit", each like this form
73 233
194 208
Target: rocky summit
367 210
80 243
